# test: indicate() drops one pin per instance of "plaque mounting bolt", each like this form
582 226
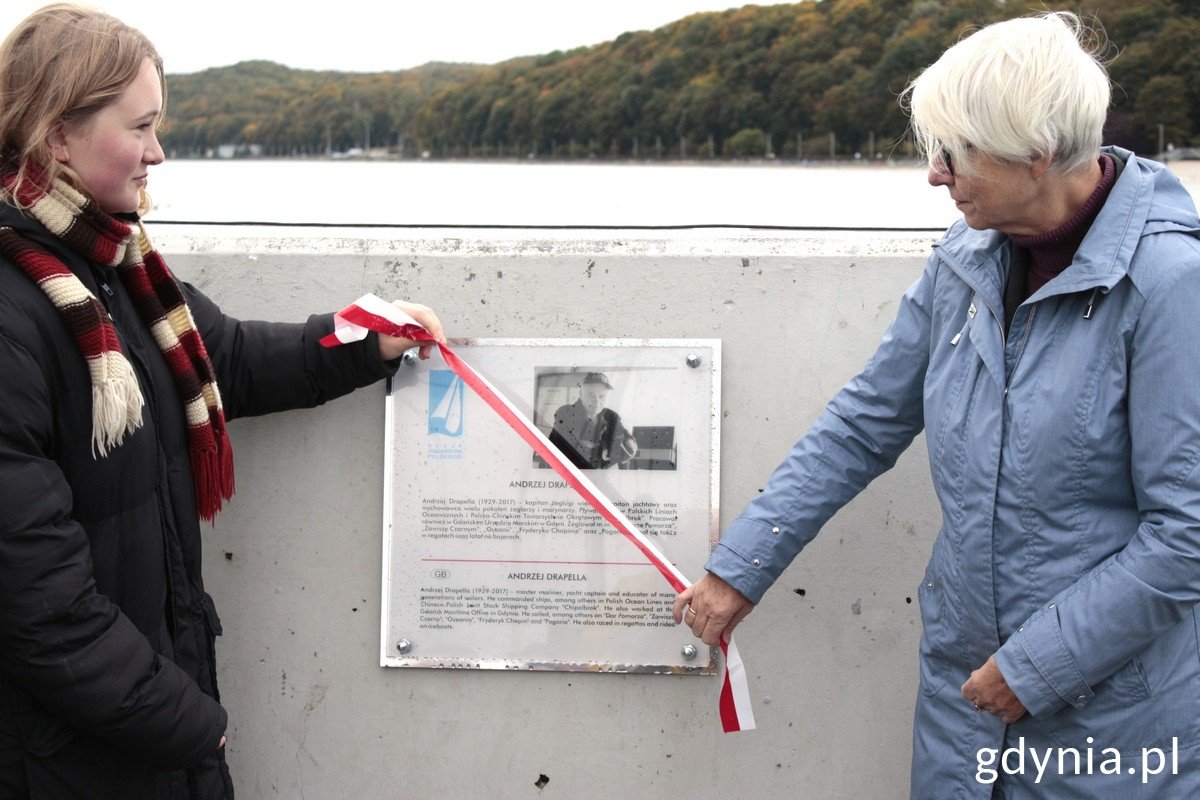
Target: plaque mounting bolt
409 358
404 645
689 651
693 360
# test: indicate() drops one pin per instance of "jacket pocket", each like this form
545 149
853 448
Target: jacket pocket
212 626
1128 684
1196 626
1122 715
934 633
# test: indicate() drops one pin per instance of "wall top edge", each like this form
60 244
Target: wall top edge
537 242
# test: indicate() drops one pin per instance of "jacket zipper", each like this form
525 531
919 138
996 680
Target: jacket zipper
1021 349
1087 314
146 382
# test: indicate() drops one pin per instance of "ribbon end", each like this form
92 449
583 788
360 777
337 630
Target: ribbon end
736 711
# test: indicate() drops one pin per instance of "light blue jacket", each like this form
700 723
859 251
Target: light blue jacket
1064 456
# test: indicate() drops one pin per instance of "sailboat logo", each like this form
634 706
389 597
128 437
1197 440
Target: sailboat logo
445 403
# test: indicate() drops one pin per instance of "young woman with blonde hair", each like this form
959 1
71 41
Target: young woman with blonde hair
117 381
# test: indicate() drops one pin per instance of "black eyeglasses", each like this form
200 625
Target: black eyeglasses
947 161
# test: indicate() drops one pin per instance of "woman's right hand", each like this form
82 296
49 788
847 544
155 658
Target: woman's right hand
391 347
714 606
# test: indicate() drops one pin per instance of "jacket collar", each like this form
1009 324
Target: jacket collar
1146 199
1104 254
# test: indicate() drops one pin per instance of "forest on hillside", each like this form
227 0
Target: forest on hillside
819 75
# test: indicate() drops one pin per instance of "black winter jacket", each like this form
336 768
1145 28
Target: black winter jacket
107 672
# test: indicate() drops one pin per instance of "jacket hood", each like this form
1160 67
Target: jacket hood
1171 206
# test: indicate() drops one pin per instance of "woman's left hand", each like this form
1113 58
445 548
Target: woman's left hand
987 690
391 347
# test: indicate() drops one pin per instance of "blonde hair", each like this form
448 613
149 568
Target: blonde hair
1016 91
59 67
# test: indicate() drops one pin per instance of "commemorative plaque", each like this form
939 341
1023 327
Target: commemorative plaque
492 561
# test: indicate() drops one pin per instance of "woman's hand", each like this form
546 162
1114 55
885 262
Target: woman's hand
988 691
391 347
711 608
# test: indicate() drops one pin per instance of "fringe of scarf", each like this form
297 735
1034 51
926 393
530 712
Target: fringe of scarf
117 401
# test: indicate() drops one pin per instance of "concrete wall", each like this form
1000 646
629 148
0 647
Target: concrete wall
294 562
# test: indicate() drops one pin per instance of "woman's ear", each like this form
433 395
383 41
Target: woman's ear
58 144
1038 168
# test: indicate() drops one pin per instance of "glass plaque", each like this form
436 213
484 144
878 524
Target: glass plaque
491 561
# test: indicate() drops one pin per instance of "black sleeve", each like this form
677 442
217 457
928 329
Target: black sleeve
61 640
559 440
275 366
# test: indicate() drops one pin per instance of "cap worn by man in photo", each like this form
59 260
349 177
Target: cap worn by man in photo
596 377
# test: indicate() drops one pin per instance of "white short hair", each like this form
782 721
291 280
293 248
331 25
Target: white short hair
1017 91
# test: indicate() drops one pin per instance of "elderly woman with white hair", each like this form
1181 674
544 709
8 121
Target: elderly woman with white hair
1049 352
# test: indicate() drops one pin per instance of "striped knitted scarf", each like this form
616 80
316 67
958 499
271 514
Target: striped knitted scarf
117 400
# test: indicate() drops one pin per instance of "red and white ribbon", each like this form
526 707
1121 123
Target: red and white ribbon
370 313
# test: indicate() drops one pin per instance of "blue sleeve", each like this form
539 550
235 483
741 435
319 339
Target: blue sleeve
865 428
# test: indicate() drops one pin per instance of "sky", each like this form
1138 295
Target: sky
376 35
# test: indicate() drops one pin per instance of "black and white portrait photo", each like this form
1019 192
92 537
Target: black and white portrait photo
592 415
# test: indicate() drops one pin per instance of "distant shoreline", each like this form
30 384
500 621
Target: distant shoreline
554 161
1187 169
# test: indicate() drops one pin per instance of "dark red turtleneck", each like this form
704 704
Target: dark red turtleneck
1051 252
